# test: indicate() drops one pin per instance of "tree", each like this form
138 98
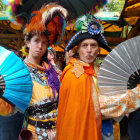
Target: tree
114 6
2 6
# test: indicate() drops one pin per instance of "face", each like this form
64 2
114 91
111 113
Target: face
37 46
88 50
50 56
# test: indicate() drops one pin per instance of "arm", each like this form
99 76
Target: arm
118 105
5 108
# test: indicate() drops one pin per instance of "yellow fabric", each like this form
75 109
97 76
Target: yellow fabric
77 118
32 129
53 119
116 131
40 92
112 28
132 11
132 20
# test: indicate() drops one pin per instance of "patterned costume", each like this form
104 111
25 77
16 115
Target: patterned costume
42 111
50 22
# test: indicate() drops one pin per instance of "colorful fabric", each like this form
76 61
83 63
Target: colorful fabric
42 94
42 134
52 21
57 69
116 131
121 104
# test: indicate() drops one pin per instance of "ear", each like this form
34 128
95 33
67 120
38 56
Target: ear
28 44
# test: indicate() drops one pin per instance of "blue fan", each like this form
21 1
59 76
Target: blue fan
15 80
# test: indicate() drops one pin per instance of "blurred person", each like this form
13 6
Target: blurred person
68 55
51 56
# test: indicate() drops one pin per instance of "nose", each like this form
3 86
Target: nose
40 45
89 48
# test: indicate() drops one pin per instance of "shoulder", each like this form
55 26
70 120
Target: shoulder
75 69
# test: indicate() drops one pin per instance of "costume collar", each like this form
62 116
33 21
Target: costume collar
79 67
39 67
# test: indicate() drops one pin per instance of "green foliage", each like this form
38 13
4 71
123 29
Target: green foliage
2 6
114 6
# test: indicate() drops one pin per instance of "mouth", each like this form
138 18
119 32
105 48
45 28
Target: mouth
37 51
89 57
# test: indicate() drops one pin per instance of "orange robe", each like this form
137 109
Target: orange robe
77 117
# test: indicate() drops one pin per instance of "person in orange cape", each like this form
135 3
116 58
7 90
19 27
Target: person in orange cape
81 108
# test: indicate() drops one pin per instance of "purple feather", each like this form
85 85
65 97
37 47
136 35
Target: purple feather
53 80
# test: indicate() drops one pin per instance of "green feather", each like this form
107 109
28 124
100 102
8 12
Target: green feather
79 22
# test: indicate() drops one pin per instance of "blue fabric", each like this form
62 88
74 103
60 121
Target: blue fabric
134 125
107 127
17 79
10 126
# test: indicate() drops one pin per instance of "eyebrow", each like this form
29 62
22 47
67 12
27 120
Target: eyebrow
91 43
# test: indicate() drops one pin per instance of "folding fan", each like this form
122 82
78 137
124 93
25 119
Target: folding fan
120 70
15 80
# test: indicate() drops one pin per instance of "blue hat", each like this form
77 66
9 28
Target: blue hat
88 27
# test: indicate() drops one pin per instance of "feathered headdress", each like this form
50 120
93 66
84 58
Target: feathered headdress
88 26
51 19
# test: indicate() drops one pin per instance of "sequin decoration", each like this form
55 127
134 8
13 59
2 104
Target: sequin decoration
93 28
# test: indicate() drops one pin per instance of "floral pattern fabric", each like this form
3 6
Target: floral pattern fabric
118 105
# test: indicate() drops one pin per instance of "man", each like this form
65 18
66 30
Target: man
79 110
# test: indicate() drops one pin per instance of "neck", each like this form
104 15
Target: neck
33 60
92 63
52 62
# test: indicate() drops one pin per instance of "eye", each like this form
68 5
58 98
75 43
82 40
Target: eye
36 40
84 45
94 45
45 43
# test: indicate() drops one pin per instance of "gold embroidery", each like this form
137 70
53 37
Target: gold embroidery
78 69
95 95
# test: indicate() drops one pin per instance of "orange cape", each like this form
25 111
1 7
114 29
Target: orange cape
77 118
